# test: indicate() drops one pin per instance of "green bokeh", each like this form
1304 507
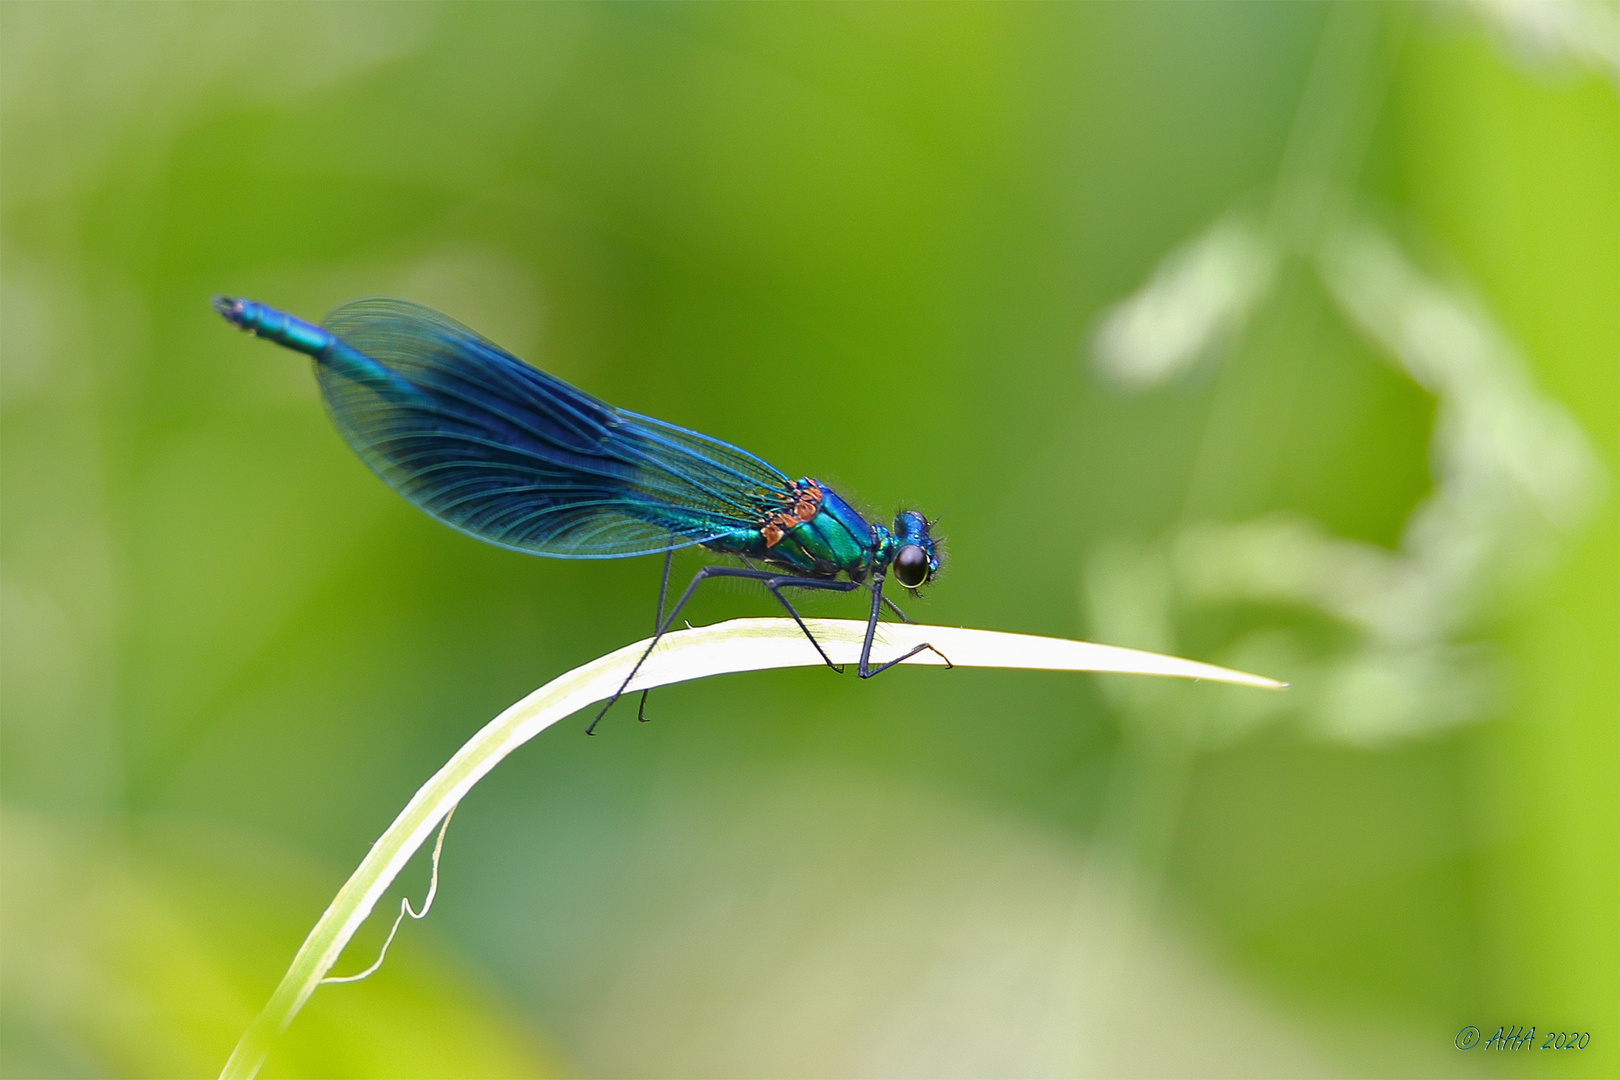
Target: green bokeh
868 243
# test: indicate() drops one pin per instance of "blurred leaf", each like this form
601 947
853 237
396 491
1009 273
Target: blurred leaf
138 952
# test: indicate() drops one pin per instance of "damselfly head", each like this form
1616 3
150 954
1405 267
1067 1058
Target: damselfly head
916 561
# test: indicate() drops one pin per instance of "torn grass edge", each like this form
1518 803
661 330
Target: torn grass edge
735 646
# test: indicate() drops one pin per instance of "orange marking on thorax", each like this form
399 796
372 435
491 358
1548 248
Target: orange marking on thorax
806 505
809 504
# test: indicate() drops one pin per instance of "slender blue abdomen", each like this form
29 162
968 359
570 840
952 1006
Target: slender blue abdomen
278 326
322 345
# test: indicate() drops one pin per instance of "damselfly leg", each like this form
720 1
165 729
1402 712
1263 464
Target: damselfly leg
658 620
774 582
865 670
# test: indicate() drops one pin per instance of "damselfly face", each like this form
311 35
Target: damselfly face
915 562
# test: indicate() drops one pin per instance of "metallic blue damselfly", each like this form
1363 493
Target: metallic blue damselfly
518 458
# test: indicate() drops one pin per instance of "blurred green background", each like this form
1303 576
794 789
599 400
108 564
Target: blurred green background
1281 335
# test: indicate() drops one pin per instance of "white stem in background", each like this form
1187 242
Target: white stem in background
739 645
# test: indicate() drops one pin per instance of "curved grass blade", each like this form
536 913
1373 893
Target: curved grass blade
735 646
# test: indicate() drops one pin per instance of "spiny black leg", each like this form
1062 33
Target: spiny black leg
658 620
894 607
771 581
775 584
871 623
869 672
663 588
865 670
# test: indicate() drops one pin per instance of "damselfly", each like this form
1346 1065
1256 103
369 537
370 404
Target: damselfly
516 457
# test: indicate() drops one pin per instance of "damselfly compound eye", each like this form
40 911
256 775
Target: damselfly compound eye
911 566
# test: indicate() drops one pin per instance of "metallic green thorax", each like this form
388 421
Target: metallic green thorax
809 530
815 533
